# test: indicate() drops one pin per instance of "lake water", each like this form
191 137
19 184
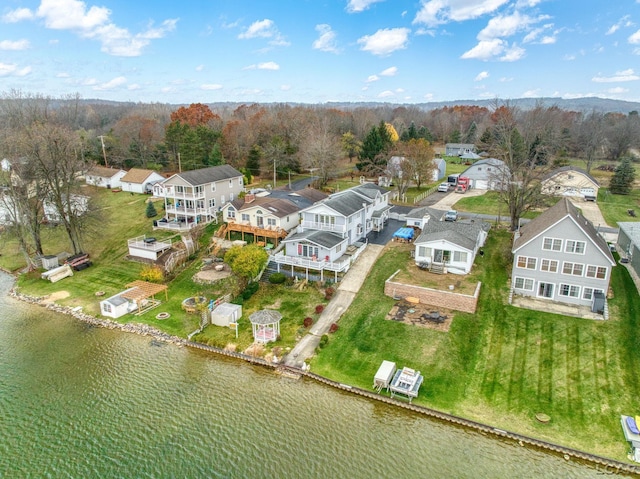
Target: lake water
84 402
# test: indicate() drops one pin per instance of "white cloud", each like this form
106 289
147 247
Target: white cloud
389 72
531 93
93 23
617 90
133 87
199 68
211 86
11 69
285 87
437 12
505 26
326 42
111 84
62 75
263 66
264 29
620 76
485 50
372 78
385 41
623 22
386 94
635 38
16 45
355 6
512 54
506 79
481 76
428 96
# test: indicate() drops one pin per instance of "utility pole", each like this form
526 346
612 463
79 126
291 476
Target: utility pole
104 152
289 179
274 173
179 164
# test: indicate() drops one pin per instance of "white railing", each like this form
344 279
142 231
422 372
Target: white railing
183 210
176 225
422 196
311 264
314 225
142 242
171 193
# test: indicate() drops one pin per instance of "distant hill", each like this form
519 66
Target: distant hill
576 104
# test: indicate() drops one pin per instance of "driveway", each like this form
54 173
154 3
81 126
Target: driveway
450 199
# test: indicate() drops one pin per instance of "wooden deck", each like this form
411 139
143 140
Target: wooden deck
261 235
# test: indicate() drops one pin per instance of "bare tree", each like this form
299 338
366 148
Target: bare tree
321 151
591 139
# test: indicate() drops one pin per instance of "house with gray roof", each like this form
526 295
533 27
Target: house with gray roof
560 257
419 217
195 197
459 149
487 174
329 235
449 247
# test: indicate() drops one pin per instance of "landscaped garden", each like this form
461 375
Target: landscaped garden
503 365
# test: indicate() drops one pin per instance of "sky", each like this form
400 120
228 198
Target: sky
318 51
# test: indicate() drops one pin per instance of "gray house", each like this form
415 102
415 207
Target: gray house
629 243
458 149
487 174
559 256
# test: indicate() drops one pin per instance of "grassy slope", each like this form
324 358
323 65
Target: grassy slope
504 364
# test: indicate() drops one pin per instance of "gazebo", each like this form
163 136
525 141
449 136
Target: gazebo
142 290
265 325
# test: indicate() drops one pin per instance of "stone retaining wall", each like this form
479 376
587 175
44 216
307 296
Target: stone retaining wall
433 297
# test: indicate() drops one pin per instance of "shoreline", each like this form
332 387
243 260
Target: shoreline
611 466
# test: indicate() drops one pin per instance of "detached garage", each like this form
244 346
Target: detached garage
571 182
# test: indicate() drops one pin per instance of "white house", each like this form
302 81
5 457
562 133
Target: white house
458 149
570 181
394 170
138 180
262 212
440 169
450 247
488 174
419 217
104 177
78 205
195 197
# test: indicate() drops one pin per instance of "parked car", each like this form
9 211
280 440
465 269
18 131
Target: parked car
443 187
451 215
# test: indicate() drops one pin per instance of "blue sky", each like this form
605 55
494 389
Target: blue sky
315 51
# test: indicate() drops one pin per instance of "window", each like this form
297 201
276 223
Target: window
179 189
552 244
271 221
212 203
240 182
424 252
570 290
460 256
599 272
523 283
230 196
222 202
587 293
213 187
231 212
106 307
549 265
575 247
572 268
526 262
230 183
246 217
198 190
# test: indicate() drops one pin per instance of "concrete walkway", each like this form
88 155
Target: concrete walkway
345 293
450 199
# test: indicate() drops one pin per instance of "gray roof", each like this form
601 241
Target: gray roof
301 198
346 203
274 206
370 190
570 168
561 210
460 233
632 230
421 212
325 239
212 174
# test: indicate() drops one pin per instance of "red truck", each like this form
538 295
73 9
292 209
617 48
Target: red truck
463 184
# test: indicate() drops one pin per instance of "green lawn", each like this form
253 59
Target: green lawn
615 208
490 204
504 364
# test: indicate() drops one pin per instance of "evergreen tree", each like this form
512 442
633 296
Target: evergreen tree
423 132
151 210
456 136
472 132
410 133
622 179
253 160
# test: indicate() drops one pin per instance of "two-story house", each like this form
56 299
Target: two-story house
559 256
330 231
194 197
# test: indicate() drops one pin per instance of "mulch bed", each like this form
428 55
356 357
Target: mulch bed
421 315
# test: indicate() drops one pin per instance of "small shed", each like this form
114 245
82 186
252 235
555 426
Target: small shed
406 381
225 314
265 325
50 261
116 306
384 376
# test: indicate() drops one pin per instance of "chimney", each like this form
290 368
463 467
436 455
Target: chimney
249 198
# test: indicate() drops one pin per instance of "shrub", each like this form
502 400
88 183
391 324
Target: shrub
152 274
307 322
319 309
151 210
333 328
250 290
323 341
277 278
328 293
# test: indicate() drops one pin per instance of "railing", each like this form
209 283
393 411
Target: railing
314 225
311 264
171 193
175 225
183 210
142 242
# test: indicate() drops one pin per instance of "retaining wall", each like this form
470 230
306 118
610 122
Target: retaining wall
433 297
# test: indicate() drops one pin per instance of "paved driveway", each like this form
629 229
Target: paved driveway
384 236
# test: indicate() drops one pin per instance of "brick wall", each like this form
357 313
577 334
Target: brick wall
433 297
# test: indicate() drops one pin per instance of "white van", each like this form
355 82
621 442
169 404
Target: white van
443 187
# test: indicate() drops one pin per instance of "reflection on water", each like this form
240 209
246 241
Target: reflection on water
78 401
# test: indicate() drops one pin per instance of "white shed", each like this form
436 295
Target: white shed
383 377
116 306
225 314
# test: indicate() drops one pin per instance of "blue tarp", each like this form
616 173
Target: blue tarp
404 233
